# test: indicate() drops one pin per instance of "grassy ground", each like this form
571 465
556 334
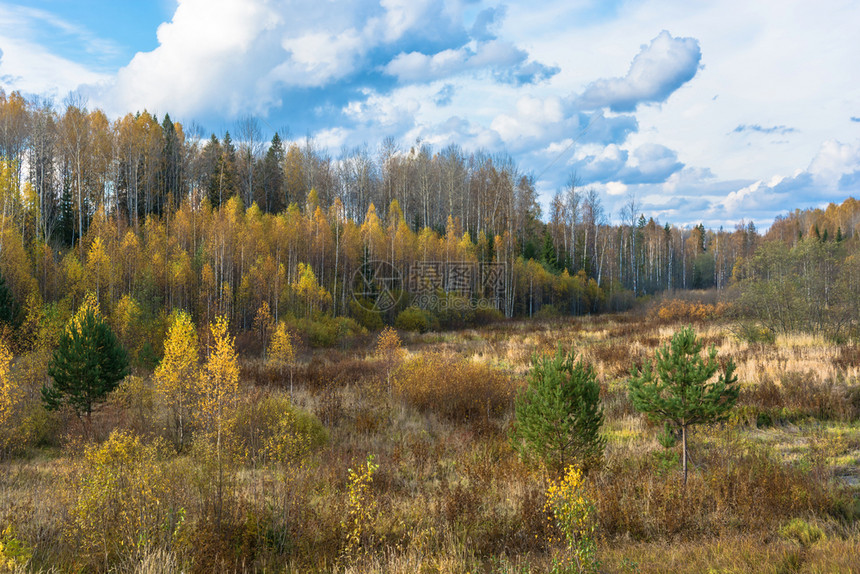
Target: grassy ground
775 489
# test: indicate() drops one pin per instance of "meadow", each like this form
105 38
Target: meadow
403 463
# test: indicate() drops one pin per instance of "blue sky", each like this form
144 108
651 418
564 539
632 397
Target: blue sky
706 111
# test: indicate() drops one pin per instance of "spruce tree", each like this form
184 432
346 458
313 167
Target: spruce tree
558 417
9 309
680 392
88 363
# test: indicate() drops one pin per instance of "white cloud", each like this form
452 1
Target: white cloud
533 117
656 72
415 66
29 67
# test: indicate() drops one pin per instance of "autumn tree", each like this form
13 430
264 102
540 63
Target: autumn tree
281 353
118 499
217 388
87 365
10 396
680 392
177 373
312 295
263 323
390 350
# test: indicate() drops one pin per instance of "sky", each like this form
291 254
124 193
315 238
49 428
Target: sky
706 111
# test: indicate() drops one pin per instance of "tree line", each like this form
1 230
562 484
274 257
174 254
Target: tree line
150 216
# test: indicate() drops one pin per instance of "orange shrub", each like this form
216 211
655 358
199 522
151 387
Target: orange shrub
691 311
453 387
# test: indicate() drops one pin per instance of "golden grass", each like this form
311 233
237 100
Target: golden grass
453 497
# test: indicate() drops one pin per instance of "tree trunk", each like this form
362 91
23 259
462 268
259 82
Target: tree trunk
684 451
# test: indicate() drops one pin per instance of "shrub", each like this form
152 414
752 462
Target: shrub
453 387
326 331
119 500
575 516
413 319
548 312
270 429
362 311
754 334
679 310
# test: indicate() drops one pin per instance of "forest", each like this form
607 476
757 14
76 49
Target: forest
226 354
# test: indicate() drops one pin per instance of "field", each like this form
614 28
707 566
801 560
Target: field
435 484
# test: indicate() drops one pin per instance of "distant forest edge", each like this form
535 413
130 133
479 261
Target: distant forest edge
149 219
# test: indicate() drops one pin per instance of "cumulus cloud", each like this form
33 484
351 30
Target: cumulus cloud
831 173
508 62
656 72
487 22
225 58
648 164
654 164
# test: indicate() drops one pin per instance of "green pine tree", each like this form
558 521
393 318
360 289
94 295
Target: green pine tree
88 363
558 417
548 254
9 309
680 392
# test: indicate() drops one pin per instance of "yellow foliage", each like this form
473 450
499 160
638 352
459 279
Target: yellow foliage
263 321
218 383
118 494
10 396
309 290
14 555
575 516
281 352
176 374
390 349
389 344
126 315
90 303
680 310
361 507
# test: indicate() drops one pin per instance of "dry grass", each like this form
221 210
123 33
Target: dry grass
451 495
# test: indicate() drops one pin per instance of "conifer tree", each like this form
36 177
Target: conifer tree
558 417
88 363
8 306
679 392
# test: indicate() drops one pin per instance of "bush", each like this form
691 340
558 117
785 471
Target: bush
754 334
485 316
270 428
548 312
325 331
362 311
678 310
453 387
413 319
119 499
